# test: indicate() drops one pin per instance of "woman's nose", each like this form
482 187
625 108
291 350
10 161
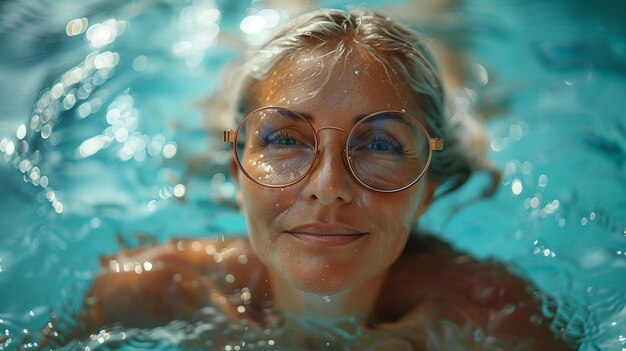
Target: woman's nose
330 180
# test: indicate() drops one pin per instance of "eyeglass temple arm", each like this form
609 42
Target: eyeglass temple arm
436 144
229 136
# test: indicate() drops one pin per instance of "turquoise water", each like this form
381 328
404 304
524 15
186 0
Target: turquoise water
102 139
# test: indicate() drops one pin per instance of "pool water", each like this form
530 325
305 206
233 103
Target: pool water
103 144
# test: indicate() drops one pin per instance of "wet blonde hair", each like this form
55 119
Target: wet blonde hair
402 52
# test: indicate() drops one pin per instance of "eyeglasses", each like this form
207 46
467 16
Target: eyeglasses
385 151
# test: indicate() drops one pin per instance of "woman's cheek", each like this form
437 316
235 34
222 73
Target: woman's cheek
262 206
384 212
390 217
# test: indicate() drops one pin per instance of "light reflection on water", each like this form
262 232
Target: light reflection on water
104 136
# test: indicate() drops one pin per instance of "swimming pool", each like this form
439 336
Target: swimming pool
102 139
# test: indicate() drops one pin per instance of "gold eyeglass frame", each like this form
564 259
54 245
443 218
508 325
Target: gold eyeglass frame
434 144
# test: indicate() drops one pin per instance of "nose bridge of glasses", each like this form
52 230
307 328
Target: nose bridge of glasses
330 128
334 153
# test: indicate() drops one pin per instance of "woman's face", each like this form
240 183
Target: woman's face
327 233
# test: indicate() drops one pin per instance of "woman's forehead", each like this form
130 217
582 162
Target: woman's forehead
356 82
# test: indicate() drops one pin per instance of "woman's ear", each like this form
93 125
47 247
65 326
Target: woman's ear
234 174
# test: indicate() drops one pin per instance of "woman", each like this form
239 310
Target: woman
341 145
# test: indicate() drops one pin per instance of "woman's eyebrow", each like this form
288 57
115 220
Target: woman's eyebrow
293 114
391 116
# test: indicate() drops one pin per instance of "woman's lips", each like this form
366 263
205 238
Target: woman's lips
325 235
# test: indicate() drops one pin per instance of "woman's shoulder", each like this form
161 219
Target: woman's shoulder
430 259
437 282
152 285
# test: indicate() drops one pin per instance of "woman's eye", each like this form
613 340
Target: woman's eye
385 144
286 141
378 146
280 138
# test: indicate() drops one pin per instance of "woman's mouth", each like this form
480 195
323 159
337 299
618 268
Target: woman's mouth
325 235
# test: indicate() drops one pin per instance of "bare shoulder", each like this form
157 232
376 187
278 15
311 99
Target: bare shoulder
483 298
154 285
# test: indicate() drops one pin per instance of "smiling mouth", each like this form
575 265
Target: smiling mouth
325 235
326 239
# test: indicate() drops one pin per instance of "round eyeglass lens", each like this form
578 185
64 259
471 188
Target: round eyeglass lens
275 147
388 151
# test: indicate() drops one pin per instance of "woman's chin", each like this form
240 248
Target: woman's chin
319 280
323 288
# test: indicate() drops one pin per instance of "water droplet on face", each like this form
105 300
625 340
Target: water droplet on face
326 298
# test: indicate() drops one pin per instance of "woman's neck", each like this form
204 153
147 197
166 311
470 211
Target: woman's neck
357 303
